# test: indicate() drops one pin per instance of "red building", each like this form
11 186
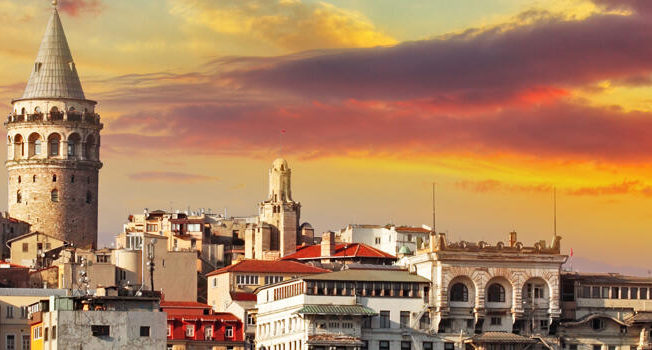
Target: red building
193 325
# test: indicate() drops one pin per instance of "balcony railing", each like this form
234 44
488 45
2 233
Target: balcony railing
89 118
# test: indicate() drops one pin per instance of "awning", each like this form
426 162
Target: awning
351 310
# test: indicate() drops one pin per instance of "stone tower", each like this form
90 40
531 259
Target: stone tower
53 138
280 211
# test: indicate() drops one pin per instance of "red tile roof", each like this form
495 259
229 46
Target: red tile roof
342 250
264 266
241 296
184 304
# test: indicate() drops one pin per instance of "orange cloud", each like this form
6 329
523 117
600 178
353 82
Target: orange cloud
172 177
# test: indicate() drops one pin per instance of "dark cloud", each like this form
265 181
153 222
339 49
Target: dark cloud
494 64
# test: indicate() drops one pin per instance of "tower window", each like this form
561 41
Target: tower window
54 195
54 177
53 141
19 197
37 147
19 179
89 197
72 179
34 178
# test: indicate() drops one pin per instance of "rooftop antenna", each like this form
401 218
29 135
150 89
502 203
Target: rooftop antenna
434 216
554 198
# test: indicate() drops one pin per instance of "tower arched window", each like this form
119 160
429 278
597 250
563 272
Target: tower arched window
72 179
459 292
89 197
496 293
74 142
20 179
54 177
19 149
53 144
34 144
34 178
54 195
19 197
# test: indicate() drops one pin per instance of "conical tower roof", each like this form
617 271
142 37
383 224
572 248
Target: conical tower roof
54 74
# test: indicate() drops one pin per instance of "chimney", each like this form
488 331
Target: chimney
512 239
328 243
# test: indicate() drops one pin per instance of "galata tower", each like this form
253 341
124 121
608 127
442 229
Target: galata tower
53 147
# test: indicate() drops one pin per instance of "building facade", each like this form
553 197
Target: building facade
194 326
389 238
53 139
349 309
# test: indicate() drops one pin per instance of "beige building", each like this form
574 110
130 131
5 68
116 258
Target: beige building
605 312
277 232
482 293
14 322
231 289
53 144
30 249
11 228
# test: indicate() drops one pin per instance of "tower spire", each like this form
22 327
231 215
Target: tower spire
54 74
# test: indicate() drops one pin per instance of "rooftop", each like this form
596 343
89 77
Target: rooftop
605 278
264 266
342 250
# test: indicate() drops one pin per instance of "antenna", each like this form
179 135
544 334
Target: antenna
434 216
554 198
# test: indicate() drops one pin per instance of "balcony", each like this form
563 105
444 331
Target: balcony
55 118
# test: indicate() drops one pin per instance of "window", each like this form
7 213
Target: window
377 240
251 319
384 319
25 247
144 331
152 227
543 324
347 325
633 293
54 195
208 332
190 331
247 280
595 292
405 319
624 293
496 293
72 179
26 342
228 332
597 324
449 346
406 345
597 347
34 178
383 345
273 279
23 312
45 334
37 147
427 345
214 282
459 292
333 325
614 292
11 342
496 321
10 311
89 197
100 330
19 197
102 258
54 332
644 293
38 333
424 322
169 331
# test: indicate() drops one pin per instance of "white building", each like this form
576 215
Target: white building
349 309
390 239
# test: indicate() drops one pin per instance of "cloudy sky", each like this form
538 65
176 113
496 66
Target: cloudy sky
498 101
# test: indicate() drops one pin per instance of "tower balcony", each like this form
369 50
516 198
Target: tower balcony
54 118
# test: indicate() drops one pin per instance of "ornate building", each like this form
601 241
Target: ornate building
53 138
277 232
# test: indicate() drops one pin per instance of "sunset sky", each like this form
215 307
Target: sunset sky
498 101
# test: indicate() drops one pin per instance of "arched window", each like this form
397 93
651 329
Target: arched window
54 177
34 144
89 197
19 150
74 141
19 197
459 292
20 179
496 293
89 150
34 178
54 195
72 179
53 144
